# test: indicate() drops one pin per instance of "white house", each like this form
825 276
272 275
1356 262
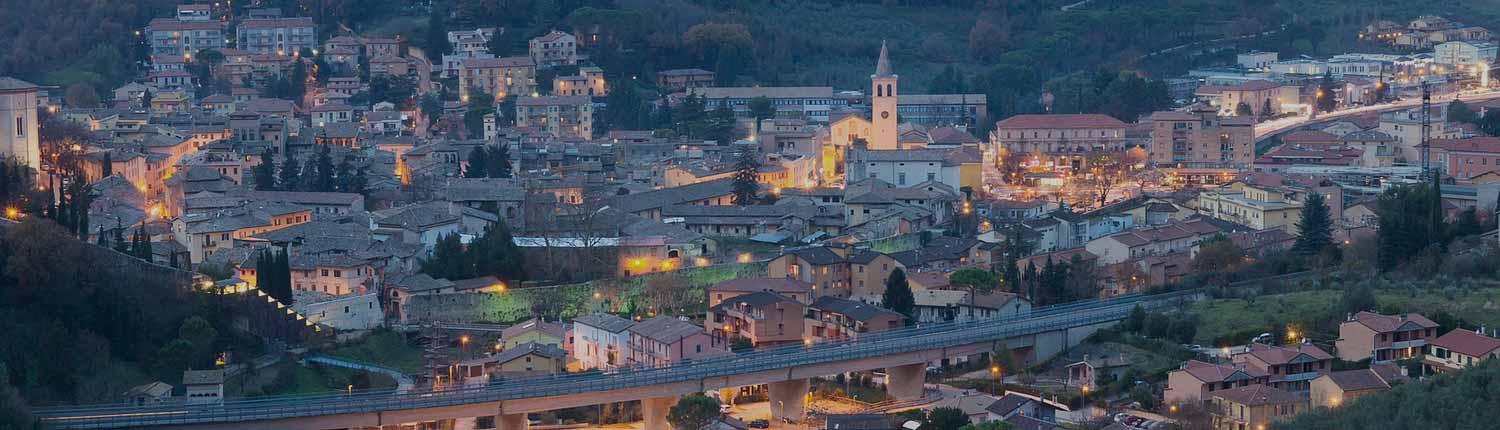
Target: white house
599 341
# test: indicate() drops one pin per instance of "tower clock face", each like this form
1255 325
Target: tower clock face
885 114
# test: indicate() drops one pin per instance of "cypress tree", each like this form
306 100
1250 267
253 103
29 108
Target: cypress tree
898 296
1315 227
479 164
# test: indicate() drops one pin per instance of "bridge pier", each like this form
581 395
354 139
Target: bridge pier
654 411
906 382
511 422
788 399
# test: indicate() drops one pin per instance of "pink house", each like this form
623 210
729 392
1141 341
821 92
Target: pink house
1292 368
1384 337
1196 380
664 340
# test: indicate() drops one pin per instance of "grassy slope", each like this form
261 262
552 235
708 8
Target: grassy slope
1226 316
385 348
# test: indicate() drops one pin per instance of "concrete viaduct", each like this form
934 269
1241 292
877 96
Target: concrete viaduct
903 353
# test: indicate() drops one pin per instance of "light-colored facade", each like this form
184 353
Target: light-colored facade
1459 349
1061 141
1335 389
279 36
19 133
1464 53
1254 407
560 116
555 48
1260 208
499 77
600 341
182 38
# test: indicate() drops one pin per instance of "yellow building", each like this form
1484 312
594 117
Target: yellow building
530 359
1254 407
534 331
1256 207
500 77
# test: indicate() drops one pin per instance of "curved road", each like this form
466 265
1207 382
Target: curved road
933 337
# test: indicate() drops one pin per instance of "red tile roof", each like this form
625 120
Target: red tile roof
1087 120
1358 380
779 285
1257 85
484 63
1309 136
1282 355
1256 395
1389 323
1473 144
1467 343
1209 372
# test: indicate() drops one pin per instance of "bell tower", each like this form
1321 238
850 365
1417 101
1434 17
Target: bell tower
883 134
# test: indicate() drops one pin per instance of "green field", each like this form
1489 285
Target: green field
1224 317
385 348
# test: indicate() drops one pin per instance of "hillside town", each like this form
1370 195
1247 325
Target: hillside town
381 217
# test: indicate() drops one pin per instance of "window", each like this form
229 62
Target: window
20 127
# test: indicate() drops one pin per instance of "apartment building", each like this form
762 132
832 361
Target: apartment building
600 341
187 33
279 36
498 77
1199 146
664 340
1061 141
1258 207
682 79
560 116
762 318
553 49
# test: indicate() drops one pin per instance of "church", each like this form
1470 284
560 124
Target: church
885 128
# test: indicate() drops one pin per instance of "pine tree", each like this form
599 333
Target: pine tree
437 32
479 163
1315 227
1326 100
898 296
345 174
290 170
265 172
499 161
108 166
297 84
448 260
746 169
325 169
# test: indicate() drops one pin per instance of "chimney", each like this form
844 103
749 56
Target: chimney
1085 357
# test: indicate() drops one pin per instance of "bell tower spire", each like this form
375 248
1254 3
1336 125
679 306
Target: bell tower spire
883 134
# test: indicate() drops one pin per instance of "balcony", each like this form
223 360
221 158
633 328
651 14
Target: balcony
1415 343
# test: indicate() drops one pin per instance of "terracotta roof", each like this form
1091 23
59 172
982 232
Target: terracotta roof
1309 136
169 24
1087 120
1483 144
1209 372
1357 380
551 36
778 285
1467 343
1256 395
1389 323
484 63
1281 355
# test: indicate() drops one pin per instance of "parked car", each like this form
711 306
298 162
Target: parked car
759 424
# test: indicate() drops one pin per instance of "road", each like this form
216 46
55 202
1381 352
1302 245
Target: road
1276 126
927 338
